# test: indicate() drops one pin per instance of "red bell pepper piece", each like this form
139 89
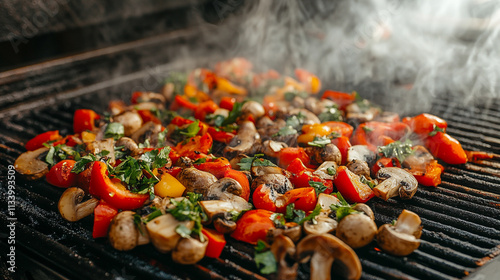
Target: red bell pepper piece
182 102
38 141
264 197
217 167
301 176
103 215
70 141
84 119
60 175
227 103
220 136
340 98
425 123
253 226
343 144
373 134
216 242
287 155
174 170
304 199
195 146
341 128
446 148
113 191
385 162
432 175
242 179
205 107
147 116
180 121
350 186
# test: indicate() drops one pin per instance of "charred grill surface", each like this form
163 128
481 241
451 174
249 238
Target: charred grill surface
460 217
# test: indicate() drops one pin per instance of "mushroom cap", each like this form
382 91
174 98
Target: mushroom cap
30 166
70 206
271 148
325 200
359 167
324 250
254 108
280 183
130 120
196 180
162 232
257 171
357 230
361 207
123 234
189 250
244 141
224 189
396 181
401 239
149 131
292 230
324 224
283 250
362 153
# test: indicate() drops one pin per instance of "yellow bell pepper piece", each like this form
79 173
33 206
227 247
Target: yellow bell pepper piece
169 186
310 131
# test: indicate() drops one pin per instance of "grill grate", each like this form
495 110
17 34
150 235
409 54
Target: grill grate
460 218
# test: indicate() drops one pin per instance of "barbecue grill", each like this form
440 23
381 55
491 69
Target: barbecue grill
460 239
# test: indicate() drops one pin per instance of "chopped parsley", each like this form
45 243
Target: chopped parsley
299 216
397 150
164 115
331 171
60 152
191 130
278 220
114 130
293 125
435 130
319 187
332 113
265 260
320 141
370 184
189 209
343 209
81 164
162 138
247 163
233 115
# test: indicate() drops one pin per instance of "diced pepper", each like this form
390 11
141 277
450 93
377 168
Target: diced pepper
242 179
84 119
432 175
340 98
217 167
227 103
350 186
182 102
253 226
226 86
205 107
343 144
287 155
216 242
220 135
60 175
446 148
147 116
103 215
169 186
38 141
195 146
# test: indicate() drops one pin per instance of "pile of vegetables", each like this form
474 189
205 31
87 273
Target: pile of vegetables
265 159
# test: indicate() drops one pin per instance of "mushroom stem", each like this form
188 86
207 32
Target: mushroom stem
70 207
321 265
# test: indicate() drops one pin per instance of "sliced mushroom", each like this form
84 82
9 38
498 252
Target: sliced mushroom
365 209
272 148
124 234
329 152
130 120
283 250
359 115
253 108
401 239
244 141
310 118
326 200
96 147
71 206
221 212
326 251
237 159
129 146
356 230
359 167
148 131
278 182
323 224
362 153
189 250
316 105
396 182
223 189
291 230
163 234
257 171
30 165
326 170
196 180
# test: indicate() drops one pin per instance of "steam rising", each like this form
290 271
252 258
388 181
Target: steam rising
404 52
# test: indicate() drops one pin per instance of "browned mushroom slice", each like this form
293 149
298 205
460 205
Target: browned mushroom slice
324 251
359 168
329 152
196 180
356 230
361 153
272 148
257 171
30 165
396 182
148 131
189 250
163 234
96 147
130 120
244 141
223 189
221 212
323 224
283 250
401 239
291 230
309 117
326 170
124 234
280 183
71 206
354 112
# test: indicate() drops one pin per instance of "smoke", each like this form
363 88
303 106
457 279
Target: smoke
401 53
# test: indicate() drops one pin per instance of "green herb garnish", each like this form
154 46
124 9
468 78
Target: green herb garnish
319 187
343 209
247 163
332 113
320 141
397 150
189 209
114 130
435 130
265 260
